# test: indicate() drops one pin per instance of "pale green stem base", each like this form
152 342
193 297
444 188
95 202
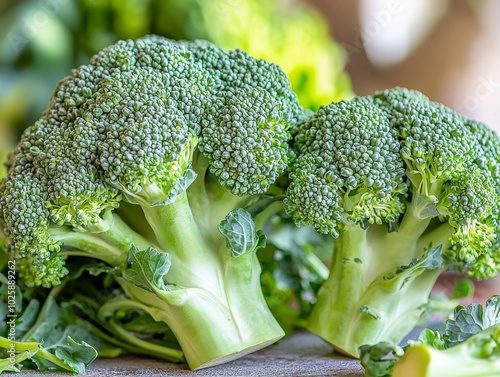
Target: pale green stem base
364 301
208 331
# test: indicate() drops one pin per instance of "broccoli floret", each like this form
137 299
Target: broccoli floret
138 158
408 189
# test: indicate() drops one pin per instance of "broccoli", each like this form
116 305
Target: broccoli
469 347
475 357
146 159
408 189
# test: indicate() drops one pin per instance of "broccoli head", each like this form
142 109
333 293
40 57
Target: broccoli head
408 188
138 158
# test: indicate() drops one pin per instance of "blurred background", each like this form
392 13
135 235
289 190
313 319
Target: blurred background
449 50
330 49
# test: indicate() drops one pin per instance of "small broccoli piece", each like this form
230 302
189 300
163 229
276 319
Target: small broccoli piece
407 188
476 357
469 348
138 158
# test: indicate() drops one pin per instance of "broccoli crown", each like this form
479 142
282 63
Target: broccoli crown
125 127
348 169
246 140
236 70
383 158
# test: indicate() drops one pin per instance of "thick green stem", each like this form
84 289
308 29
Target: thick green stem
402 244
195 262
209 201
220 204
175 227
111 246
271 210
331 316
213 302
211 331
438 236
356 305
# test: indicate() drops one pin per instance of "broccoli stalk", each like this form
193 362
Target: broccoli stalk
145 159
408 189
216 298
378 305
364 293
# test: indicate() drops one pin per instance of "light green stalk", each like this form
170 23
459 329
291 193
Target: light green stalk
370 296
211 300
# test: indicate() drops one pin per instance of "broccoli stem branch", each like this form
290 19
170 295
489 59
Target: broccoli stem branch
195 261
111 246
403 242
209 201
438 236
146 348
210 295
337 298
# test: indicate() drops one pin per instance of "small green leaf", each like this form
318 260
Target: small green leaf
238 228
431 260
148 267
76 355
94 268
469 321
465 323
47 320
28 317
432 338
492 312
378 360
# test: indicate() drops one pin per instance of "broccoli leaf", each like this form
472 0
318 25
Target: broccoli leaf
47 320
432 338
463 288
44 334
147 268
28 317
377 359
238 228
76 355
468 321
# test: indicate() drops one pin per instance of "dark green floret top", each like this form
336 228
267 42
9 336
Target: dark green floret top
378 159
348 165
127 128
